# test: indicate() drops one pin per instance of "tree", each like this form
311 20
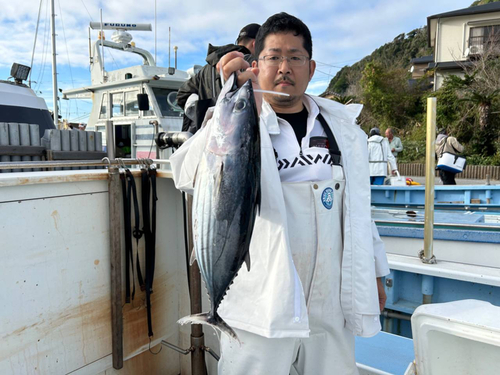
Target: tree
344 99
479 90
482 2
393 55
387 94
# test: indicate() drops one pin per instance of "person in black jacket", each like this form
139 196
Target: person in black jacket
205 86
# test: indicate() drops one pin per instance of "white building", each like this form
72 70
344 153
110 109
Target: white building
461 36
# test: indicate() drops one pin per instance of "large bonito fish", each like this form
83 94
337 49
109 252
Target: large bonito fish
226 197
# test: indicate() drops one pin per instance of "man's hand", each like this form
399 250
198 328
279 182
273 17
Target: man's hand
382 297
392 149
394 172
233 62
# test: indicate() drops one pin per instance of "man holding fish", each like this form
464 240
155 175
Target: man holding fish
200 92
315 259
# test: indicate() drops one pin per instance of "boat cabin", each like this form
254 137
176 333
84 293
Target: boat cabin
116 95
19 103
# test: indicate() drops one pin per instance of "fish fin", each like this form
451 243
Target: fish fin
193 258
247 260
214 321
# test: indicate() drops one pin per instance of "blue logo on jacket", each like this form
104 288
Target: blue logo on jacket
327 198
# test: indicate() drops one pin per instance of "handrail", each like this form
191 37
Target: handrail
80 163
447 225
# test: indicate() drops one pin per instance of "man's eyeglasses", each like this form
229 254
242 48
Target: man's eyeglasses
274 60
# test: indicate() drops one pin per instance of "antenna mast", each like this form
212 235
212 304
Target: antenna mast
155 34
54 62
102 49
34 43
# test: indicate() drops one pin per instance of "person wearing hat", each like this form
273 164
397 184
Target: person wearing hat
200 92
379 154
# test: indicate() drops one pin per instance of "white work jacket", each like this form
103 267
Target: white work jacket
268 300
379 154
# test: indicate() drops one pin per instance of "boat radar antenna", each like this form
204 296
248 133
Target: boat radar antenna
120 40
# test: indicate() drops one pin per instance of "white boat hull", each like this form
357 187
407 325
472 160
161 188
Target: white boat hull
56 299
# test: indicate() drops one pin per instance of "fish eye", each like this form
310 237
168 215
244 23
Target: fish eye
240 105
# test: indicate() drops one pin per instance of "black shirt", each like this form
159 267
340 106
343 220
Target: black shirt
298 121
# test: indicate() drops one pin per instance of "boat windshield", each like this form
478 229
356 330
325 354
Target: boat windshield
167 101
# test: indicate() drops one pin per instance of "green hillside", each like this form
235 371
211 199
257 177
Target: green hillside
395 54
468 105
483 2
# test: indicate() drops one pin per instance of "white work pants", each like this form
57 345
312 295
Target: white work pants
314 213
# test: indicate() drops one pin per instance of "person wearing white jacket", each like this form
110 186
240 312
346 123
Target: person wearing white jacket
380 157
317 259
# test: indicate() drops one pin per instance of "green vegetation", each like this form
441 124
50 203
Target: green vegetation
468 106
396 54
482 2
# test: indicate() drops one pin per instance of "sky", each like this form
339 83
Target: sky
343 33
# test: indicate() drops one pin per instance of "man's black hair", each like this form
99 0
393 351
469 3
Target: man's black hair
283 23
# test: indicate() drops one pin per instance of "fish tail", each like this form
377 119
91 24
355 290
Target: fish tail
213 320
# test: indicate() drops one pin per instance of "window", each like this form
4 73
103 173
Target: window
117 105
123 141
104 106
131 104
483 37
167 101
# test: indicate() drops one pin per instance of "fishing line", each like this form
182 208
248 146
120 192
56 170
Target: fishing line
272 92
222 80
255 90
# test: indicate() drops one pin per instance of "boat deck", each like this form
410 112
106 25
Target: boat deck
451 225
384 353
485 197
